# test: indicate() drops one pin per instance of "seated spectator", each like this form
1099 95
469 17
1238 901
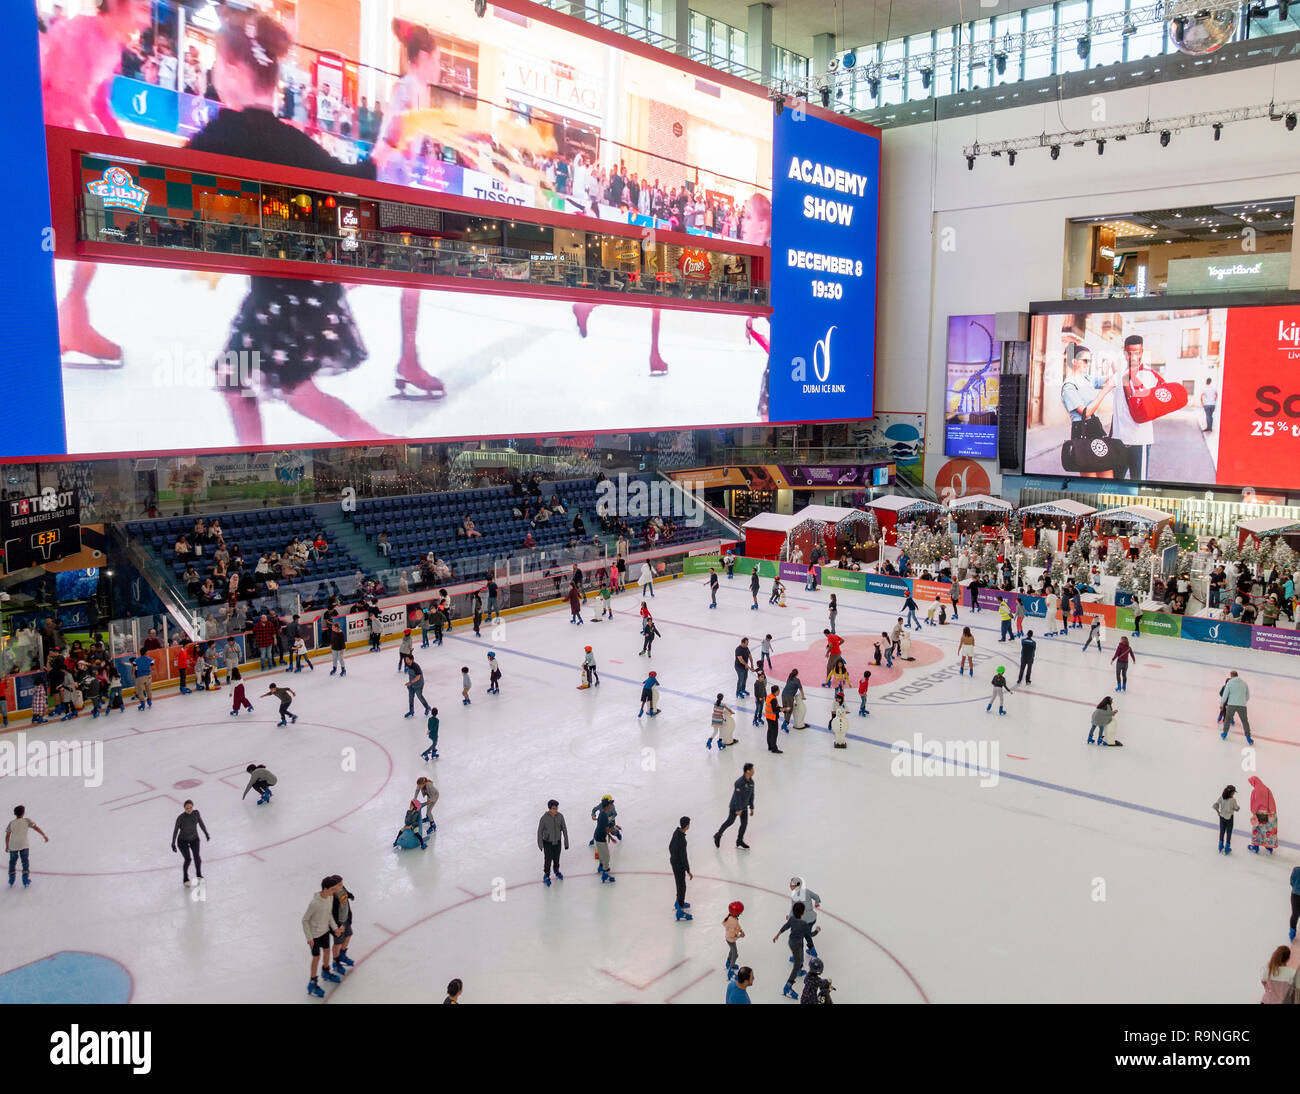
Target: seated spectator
288 568
1248 612
221 554
183 549
556 507
208 594
529 542
441 570
579 527
219 571
535 488
263 567
543 515
385 548
321 545
214 529
470 530
200 533
192 580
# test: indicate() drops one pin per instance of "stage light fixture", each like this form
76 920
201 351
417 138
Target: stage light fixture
1290 121
1101 146
873 85
1218 130
1164 138
927 74
1011 157
1000 60
1083 47
826 96
1056 151
970 163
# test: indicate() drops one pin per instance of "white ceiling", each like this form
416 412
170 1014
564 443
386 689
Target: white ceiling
855 22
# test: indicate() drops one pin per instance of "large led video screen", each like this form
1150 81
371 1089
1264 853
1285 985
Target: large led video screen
507 108
970 418
1196 396
216 360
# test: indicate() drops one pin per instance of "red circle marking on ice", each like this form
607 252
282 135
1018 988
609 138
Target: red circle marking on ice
187 784
858 652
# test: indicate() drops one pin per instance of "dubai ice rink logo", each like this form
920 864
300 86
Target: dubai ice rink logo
637 499
921 757
117 190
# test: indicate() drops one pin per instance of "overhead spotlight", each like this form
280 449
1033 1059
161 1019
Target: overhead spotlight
480 8
927 74
849 59
1000 60
1101 146
826 96
1079 144
1083 47
1218 130
1290 120
873 85
1257 11
970 163
1164 138
1130 28
1011 157
778 102
839 93
1056 151
1203 14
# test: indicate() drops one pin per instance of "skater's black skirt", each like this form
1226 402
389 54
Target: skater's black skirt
299 329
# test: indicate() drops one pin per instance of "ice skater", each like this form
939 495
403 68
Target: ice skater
143 668
465 685
261 780
929 615
793 702
590 676
1004 619
425 789
1235 697
285 696
1051 605
760 694
494 675
604 826
404 650
186 832
1028 651
966 652
16 843
575 604
834 643
740 808
649 632
319 926
1263 817
477 617
713 587
839 678
342 913
649 688
753 588
744 661
646 580
238 700
772 714
412 829
721 721
681 867
863 685
376 631
909 608
832 610
551 829
1094 633
733 932
1103 716
765 652
431 729
1137 618
816 988
1123 654
1225 807
800 936
1000 688
338 646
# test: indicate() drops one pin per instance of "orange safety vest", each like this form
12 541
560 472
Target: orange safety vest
770 708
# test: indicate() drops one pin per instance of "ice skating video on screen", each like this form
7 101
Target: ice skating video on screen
507 108
1203 396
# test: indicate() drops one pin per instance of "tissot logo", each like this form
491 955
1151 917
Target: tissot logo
822 357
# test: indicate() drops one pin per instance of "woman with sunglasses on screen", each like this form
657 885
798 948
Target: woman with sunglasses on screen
299 328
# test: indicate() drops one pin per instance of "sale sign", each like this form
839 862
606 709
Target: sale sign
1259 436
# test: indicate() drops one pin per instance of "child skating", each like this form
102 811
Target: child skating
966 653
753 588
465 685
649 686
261 780
1094 633
760 694
713 588
494 675
1225 807
733 932
590 676
300 652
1103 716
1000 688
649 632
239 700
411 834
721 717
431 728
285 696
863 685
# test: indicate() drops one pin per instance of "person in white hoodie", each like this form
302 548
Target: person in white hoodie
646 580
801 894
1095 633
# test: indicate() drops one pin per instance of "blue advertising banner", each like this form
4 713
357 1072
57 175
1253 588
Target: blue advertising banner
825 225
889 586
1216 631
32 340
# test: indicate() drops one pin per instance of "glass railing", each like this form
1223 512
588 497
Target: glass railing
449 259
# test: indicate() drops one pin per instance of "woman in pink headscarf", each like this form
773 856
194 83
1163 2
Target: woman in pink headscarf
1263 816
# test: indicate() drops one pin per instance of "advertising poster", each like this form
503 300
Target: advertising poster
904 436
508 109
1136 395
970 420
824 235
313 362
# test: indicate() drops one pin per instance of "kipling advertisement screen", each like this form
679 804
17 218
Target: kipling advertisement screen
1202 396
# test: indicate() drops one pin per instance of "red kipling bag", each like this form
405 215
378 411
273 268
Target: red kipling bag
1149 403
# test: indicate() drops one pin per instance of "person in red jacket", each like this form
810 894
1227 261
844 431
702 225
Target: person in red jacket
183 663
833 644
863 684
264 639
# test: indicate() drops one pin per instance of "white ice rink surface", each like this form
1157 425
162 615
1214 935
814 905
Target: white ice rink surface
933 888
511 365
